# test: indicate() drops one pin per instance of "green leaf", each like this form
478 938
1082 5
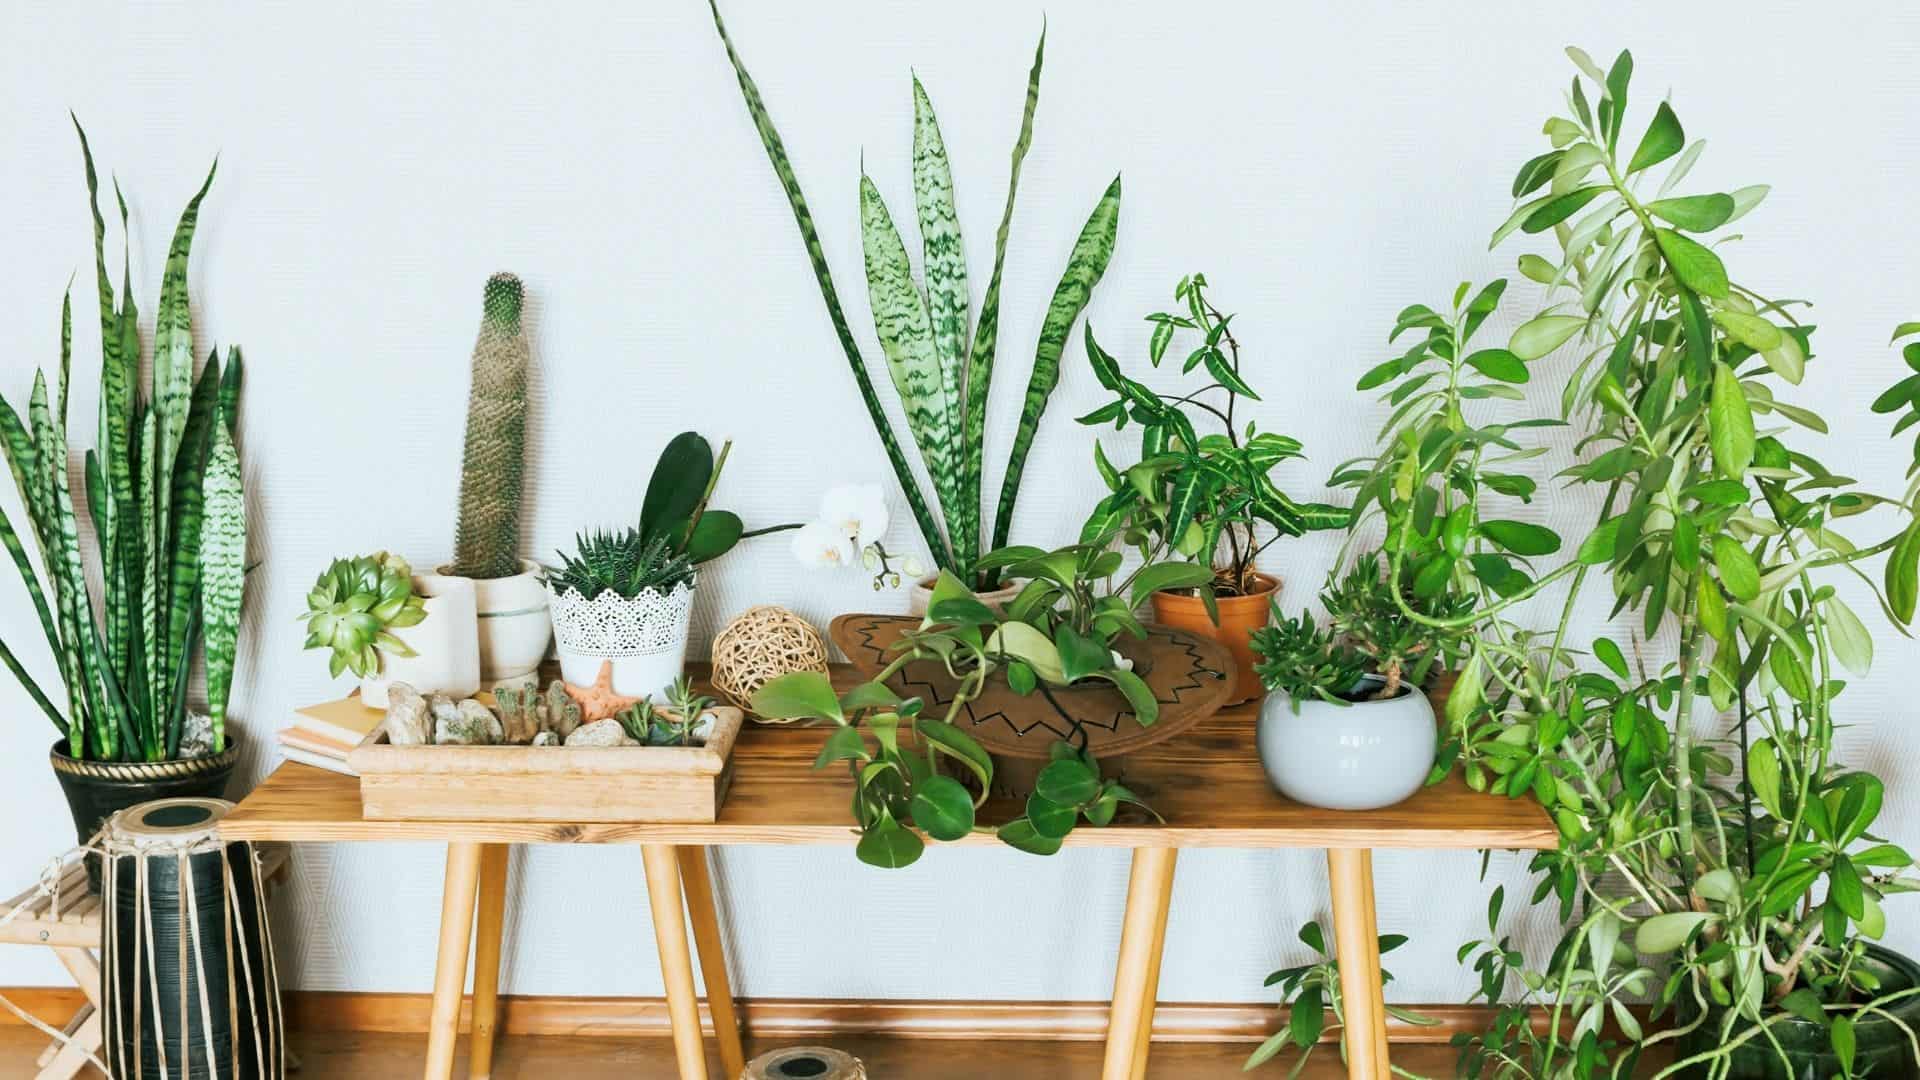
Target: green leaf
1738 572
1666 932
1694 213
1852 644
1021 835
1307 1017
1609 654
1664 138
1146 707
845 742
1840 1033
958 745
1465 696
1018 639
1730 422
1903 575
944 264
1560 208
796 696
714 535
888 846
1092 250
1068 782
1520 537
1843 882
1174 575
1543 334
679 480
1752 331
1050 819
223 562
1498 364
942 807
1080 655
1763 775
1695 265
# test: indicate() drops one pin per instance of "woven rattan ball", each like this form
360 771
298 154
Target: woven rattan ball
760 645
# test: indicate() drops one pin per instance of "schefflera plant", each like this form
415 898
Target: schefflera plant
1755 896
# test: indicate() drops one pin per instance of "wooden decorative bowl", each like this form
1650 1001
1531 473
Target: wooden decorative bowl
1190 676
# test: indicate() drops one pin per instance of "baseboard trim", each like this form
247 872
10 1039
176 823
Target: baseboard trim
792 1018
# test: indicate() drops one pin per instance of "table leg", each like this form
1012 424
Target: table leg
676 960
1357 941
450 970
489 924
1136 974
697 882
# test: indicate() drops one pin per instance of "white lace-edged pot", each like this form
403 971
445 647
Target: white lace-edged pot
514 626
645 636
446 644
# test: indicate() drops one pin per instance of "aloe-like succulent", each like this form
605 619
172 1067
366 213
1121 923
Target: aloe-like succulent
355 605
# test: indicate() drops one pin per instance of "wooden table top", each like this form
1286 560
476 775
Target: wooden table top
1207 783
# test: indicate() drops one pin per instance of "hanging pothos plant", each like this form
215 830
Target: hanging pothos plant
941 365
1735 905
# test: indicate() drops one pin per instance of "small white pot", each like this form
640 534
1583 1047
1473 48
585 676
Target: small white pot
921 595
515 628
446 645
1360 756
645 637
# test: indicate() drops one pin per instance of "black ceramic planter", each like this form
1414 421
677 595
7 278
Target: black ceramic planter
1881 1048
96 790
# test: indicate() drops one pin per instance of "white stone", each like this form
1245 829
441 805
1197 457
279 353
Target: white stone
408 721
600 733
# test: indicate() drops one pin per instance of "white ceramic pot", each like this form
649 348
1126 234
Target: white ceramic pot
515 628
446 644
645 637
921 594
1360 756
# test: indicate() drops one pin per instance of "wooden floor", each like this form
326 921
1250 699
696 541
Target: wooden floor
369 1056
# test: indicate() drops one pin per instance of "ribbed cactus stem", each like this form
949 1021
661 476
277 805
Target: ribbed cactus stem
487 542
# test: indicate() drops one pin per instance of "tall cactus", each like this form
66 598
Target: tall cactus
487 541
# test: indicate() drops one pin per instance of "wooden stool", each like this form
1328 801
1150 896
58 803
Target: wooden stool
71 928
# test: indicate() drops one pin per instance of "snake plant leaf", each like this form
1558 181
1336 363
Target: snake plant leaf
823 274
945 268
63 542
905 328
173 339
188 501
1088 261
144 571
223 554
33 689
230 380
986 334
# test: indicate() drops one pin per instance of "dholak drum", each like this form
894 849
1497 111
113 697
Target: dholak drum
189 980
805 1063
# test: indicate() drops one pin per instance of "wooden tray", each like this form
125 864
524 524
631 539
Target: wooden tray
548 783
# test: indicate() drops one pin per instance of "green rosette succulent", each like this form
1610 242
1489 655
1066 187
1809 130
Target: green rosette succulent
354 606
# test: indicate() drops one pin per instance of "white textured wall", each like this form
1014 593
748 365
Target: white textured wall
1324 166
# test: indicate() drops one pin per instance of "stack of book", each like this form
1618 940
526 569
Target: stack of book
322 735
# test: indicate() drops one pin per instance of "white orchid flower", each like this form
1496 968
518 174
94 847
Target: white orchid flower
856 511
820 544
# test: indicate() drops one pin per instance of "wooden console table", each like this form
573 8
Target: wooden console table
1207 783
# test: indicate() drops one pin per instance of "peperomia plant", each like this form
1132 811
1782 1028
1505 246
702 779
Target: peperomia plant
1310 991
941 367
1756 897
1203 496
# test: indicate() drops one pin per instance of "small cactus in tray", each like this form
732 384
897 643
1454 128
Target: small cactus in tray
526 712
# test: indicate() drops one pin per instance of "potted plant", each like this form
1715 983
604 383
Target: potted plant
386 624
1745 909
509 601
621 601
165 496
941 368
1205 496
1345 725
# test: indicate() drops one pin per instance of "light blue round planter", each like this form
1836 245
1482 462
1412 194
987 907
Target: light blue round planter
1360 756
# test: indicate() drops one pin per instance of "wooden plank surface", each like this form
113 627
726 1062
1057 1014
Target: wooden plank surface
1207 784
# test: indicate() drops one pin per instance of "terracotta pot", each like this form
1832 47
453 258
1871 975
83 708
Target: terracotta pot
921 594
1240 616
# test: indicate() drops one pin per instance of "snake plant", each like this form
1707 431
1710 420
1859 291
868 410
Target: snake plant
940 366
163 489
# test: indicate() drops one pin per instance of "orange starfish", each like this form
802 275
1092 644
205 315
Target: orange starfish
599 702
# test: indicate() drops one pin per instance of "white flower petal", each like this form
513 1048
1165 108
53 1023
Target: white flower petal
820 544
858 511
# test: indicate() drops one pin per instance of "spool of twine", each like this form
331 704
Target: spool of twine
805 1063
761 644
190 983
